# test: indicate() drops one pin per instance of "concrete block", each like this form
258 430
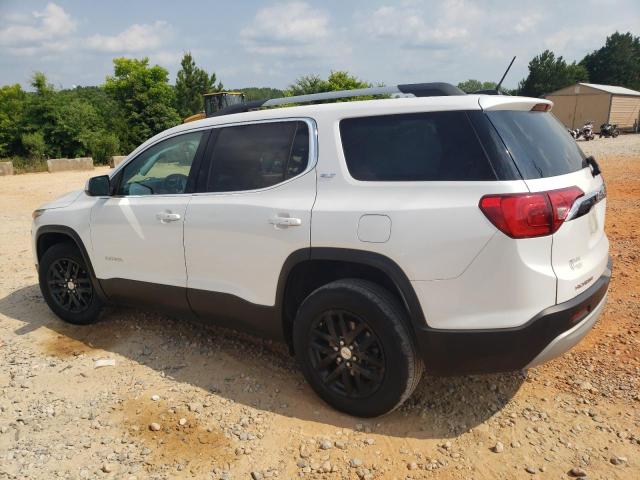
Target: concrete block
116 160
6 168
67 164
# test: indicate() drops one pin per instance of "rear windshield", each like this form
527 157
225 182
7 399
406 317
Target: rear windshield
539 144
433 146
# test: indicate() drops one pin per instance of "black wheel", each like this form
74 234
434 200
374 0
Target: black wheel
66 285
353 346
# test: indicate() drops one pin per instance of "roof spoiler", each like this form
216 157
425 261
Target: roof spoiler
435 89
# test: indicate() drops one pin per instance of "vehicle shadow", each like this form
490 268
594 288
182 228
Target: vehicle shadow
251 371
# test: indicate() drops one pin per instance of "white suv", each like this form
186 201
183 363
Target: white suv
448 232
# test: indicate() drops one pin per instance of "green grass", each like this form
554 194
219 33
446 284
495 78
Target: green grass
26 165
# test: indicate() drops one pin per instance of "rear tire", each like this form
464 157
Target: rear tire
66 285
354 348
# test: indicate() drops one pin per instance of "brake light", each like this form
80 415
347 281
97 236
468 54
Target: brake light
526 215
541 107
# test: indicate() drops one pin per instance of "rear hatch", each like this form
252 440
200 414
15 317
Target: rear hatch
549 159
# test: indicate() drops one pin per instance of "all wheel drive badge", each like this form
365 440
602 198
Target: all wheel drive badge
583 284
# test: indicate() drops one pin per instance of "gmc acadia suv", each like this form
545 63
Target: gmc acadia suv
443 232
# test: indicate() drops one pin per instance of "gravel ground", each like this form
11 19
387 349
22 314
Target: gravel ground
178 401
624 145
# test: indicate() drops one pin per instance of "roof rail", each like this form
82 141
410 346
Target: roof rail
436 89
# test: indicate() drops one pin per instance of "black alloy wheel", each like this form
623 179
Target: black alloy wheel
346 354
67 285
70 285
353 344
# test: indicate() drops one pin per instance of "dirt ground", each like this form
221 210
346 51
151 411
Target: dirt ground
231 407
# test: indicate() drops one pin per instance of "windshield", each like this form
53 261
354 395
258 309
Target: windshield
539 144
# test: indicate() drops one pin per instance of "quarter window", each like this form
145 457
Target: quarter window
414 147
249 157
162 168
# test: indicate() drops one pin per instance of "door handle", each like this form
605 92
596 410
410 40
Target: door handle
166 217
279 221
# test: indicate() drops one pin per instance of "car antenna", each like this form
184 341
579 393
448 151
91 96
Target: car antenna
496 90
505 74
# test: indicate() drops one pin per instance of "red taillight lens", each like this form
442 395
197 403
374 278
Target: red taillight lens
526 215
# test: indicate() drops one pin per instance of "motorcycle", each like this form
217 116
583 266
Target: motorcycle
587 131
574 132
608 130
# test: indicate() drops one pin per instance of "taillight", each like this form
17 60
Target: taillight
526 215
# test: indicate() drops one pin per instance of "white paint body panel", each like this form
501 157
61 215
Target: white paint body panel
232 248
580 247
72 210
129 241
508 283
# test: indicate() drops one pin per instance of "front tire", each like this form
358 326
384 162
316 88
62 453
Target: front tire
66 285
353 345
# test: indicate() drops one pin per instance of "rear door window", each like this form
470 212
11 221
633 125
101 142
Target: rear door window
539 144
430 146
250 157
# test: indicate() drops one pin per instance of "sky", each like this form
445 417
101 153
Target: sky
271 43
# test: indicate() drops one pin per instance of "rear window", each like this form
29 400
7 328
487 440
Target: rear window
539 144
414 147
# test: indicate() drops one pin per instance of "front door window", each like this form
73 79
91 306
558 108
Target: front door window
161 169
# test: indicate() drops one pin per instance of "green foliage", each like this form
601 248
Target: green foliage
337 80
12 104
191 84
260 93
41 85
26 165
145 97
102 146
548 73
473 85
34 145
617 63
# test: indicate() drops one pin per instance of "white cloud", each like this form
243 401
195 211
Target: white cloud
527 22
412 29
30 34
166 58
136 38
287 29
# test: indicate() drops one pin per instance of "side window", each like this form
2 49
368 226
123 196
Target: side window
430 146
162 168
248 157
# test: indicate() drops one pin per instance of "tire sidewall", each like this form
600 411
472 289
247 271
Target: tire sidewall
383 319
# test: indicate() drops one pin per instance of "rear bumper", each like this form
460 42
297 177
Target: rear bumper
549 334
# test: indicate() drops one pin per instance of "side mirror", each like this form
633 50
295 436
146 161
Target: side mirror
98 186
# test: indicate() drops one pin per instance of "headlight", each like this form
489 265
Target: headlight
37 213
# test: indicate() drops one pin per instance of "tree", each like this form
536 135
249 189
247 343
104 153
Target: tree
102 146
145 97
12 106
191 84
260 93
337 80
34 145
548 73
617 62
473 85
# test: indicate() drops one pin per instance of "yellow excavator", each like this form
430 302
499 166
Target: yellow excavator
216 101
